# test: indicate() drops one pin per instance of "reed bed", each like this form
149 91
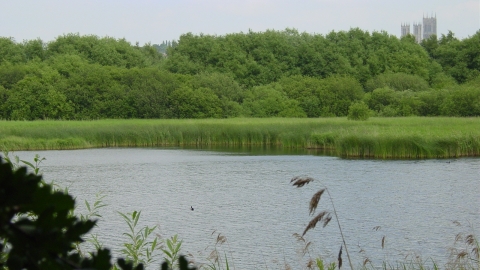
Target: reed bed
385 138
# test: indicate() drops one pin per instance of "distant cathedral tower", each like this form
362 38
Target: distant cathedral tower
417 32
429 26
405 29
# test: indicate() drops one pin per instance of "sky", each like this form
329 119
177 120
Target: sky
155 21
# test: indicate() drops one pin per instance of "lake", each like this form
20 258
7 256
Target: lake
247 196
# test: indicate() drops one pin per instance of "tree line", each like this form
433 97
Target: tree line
255 74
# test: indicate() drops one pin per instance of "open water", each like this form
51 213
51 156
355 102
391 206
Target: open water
247 197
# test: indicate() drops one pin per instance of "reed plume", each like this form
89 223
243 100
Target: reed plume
325 216
301 181
314 221
314 201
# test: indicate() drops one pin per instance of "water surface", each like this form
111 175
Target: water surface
247 197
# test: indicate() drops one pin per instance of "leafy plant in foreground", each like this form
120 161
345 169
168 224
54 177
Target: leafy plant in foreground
93 212
15 162
44 242
48 240
172 251
139 249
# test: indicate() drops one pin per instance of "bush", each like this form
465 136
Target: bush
37 230
358 111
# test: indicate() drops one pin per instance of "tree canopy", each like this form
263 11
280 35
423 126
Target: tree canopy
254 74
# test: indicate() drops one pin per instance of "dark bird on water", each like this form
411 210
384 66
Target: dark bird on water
191 207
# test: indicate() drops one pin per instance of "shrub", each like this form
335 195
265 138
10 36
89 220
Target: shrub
358 111
37 230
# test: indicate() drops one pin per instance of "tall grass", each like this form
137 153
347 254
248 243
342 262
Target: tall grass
409 137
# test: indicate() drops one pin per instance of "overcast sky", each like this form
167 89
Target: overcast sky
158 20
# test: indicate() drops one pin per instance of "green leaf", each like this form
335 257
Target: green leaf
167 253
154 244
88 206
28 163
169 245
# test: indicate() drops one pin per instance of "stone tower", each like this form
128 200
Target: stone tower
405 30
417 32
429 26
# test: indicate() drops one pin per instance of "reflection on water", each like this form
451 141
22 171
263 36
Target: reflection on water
247 197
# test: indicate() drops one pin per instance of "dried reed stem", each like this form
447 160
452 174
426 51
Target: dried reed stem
340 228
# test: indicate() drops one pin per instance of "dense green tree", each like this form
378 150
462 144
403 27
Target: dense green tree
105 51
311 93
397 81
10 51
431 102
380 98
199 103
229 92
358 111
462 101
34 49
271 101
430 45
408 103
459 58
345 90
148 91
11 74
36 97
271 73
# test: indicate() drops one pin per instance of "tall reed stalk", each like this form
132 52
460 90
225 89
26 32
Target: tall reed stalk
322 216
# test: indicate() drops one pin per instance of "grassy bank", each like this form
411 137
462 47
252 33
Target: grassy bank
409 137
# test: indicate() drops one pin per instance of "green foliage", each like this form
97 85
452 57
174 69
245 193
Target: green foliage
45 241
380 98
139 249
345 91
271 101
358 111
230 93
11 74
397 82
205 76
15 162
459 58
462 101
195 103
87 77
172 251
38 230
34 49
262 58
10 51
104 51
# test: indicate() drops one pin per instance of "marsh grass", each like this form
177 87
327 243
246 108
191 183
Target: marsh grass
386 138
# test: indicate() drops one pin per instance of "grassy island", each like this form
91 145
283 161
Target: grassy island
382 138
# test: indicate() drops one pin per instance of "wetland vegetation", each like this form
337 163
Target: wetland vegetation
379 137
